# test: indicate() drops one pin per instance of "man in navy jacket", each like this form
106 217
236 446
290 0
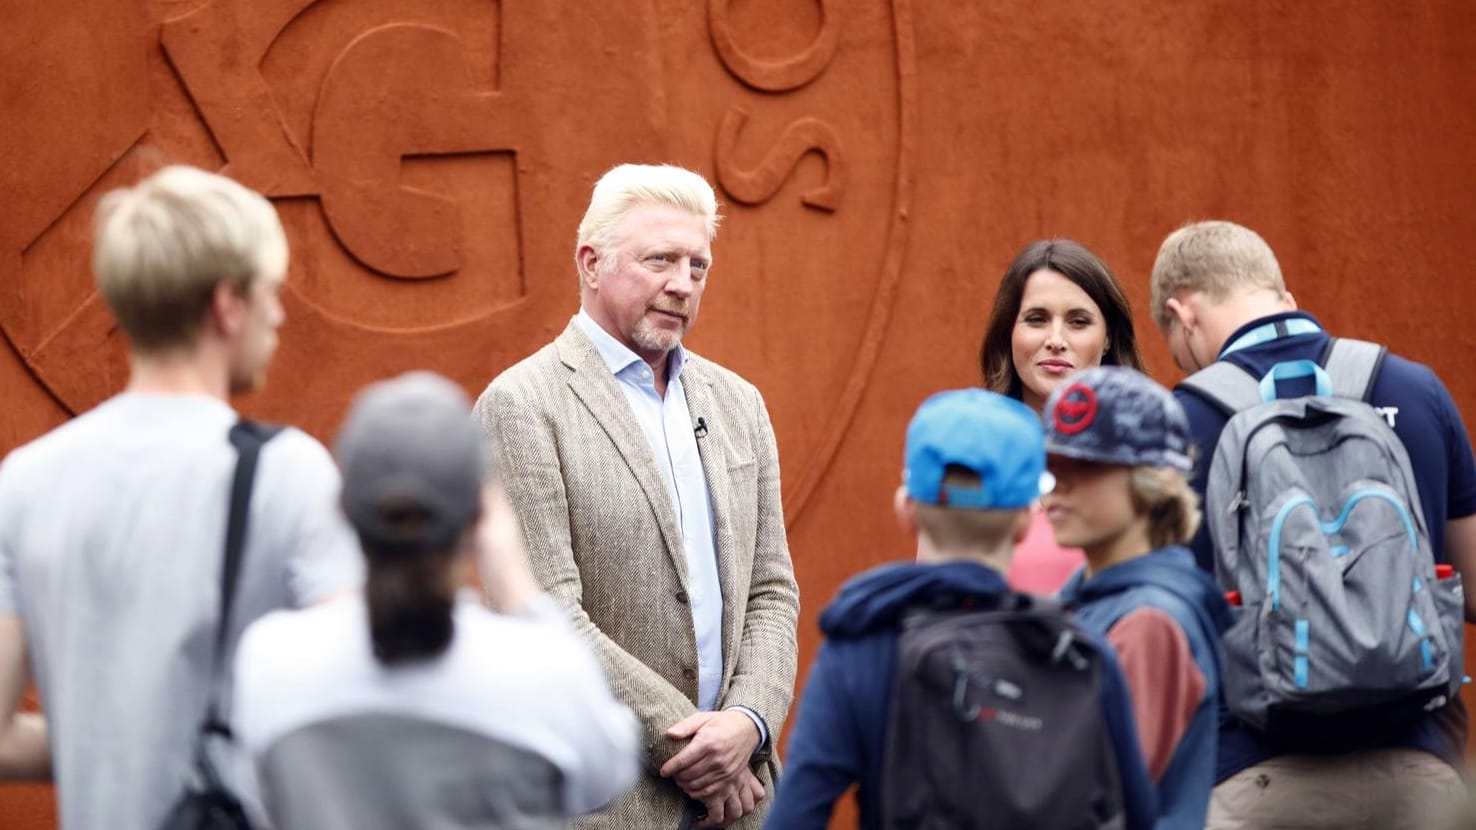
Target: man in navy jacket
1218 294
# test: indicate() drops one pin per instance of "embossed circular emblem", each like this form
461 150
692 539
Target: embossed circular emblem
1076 409
431 161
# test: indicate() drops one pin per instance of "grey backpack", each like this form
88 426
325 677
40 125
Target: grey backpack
1316 521
996 722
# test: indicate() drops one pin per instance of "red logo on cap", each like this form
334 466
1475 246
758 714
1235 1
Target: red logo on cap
1075 409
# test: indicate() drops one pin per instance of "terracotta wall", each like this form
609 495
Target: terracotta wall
880 163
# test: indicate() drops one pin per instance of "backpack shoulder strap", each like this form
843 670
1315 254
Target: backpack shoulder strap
1353 365
1053 632
247 437
1230 388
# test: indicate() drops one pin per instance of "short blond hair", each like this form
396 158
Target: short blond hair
162 246
1217 258
630 185
962 527
1171 505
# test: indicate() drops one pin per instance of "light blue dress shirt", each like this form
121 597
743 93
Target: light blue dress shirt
671 434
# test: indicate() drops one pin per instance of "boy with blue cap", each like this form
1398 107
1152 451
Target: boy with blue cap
1118 446
974 464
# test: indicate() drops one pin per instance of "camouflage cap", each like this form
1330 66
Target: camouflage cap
1116 415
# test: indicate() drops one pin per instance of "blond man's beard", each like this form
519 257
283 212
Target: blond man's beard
647 336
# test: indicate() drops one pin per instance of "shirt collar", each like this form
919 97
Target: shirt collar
617 356
1272 331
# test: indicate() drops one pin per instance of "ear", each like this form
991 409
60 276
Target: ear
1183 311
227 311
588 260
1289 301
906 510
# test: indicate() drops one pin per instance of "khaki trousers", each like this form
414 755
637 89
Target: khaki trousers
1384 789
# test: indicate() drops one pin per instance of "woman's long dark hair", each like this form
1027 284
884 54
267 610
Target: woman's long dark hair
1084 268
410 591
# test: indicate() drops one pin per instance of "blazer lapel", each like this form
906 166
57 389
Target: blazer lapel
712 447
594 385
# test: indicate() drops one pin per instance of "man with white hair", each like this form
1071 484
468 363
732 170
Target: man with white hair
113 526
647 482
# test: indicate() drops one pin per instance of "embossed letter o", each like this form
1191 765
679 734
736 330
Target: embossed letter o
775 75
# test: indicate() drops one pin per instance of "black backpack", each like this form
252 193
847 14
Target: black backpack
996 722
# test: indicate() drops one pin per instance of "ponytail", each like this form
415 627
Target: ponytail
410 608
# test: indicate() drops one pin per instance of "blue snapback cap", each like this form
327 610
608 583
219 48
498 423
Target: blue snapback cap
995 437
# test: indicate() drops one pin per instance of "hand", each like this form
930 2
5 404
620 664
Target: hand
501 557
736 800
721 745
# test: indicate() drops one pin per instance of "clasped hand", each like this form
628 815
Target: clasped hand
713 767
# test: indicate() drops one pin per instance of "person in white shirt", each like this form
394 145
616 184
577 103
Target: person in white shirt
112 525
411 704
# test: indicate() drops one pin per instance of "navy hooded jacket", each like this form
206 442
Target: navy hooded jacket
1431 430
839 736
1168 580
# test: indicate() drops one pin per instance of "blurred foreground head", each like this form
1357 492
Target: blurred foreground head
189 261
413 474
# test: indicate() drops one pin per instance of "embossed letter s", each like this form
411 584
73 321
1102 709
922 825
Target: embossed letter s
760 184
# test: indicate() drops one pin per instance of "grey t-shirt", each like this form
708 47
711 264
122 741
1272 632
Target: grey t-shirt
112 529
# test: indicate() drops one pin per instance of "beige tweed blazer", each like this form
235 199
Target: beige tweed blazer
605 541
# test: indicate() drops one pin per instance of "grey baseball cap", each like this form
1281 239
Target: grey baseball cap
412 464
1116 415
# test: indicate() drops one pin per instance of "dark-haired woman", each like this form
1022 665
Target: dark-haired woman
1058 310
410 704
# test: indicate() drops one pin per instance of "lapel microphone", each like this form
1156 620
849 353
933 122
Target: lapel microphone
701 429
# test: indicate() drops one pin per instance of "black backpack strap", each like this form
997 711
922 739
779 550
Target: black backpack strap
248 438
1055 635
1230 388
1353 366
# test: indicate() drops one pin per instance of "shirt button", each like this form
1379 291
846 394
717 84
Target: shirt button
689 673
681 596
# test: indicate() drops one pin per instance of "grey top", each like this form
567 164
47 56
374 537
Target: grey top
514 726
112 528
385 771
